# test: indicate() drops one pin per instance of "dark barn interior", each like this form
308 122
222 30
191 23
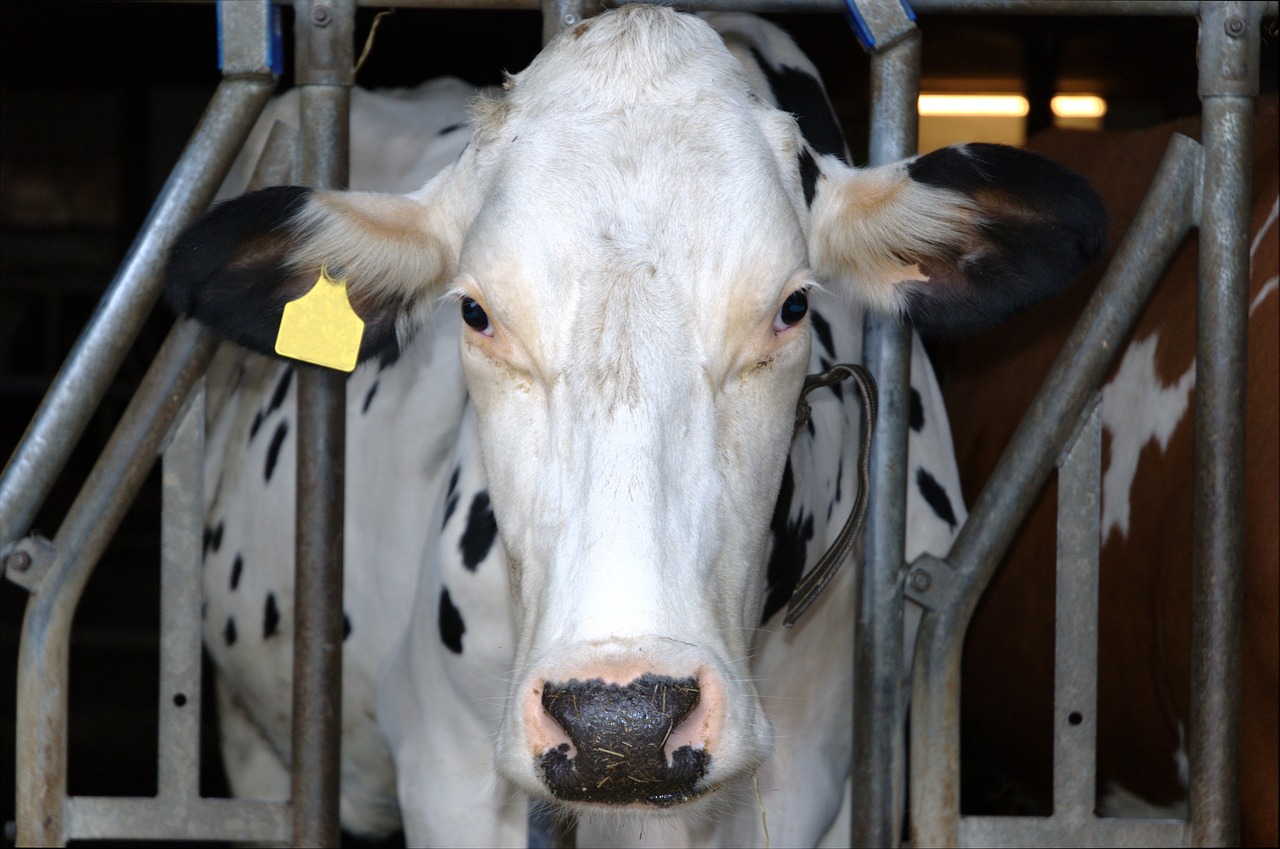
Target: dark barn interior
96 102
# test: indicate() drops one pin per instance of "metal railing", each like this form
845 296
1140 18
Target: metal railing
1209 186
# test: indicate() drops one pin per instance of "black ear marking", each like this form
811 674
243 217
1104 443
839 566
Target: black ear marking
230 271
809 174
1041 225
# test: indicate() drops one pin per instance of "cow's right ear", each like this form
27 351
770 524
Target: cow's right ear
237 266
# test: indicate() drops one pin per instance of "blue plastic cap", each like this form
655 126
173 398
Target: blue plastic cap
860 28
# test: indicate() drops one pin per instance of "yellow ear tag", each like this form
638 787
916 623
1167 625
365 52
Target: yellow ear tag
321 327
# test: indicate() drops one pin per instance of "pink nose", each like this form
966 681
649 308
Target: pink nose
624 743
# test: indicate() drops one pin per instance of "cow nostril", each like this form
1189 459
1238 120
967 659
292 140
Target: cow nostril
620 732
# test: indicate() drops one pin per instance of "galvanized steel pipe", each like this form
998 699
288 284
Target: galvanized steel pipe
324 31
1228 59
88 527
1166 215
878 697
87 372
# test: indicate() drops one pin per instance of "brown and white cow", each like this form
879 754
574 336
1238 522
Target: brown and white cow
1144 630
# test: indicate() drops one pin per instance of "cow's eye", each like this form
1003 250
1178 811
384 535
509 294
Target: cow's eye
475 317
793 309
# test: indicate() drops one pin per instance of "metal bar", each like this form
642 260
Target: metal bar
1075 663
83 379
1228 61
986 7
1164 218
1031 832
177 809
84 534
325 71
878 696
1107 8
205 820
182 520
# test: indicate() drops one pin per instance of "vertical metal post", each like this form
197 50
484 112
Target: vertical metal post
59 572
324 31
878 694
182 520
1075 641
1163 220
1228 59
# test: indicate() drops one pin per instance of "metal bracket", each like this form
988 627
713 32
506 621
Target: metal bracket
929 581
880 24
29 561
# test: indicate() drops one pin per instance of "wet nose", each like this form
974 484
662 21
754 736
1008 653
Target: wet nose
617 749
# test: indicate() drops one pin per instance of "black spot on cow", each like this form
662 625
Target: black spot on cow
823 331
229 632
802 95
281 390
481 530
270 618
790 542
273 450
936 497
368 398
915 415
451 625
449 129
346 626
258 418
213 538
451 497
809 174
839 479
236 568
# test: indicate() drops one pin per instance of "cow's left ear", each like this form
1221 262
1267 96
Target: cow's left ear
237 266
957 239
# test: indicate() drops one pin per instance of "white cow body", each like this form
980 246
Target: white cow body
589 486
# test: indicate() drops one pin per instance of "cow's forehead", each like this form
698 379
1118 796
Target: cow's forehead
651 179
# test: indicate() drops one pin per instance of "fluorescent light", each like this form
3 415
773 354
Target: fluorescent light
1079 106
1009 105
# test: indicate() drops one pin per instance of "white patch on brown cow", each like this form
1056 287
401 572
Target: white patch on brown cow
1137 407
1271 285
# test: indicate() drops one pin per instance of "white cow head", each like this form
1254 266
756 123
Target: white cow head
630 238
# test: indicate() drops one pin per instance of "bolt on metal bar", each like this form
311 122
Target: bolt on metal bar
1228 63
79 543
325 72
1166 215
879 700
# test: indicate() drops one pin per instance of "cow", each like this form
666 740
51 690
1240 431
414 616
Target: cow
578 499
1144 631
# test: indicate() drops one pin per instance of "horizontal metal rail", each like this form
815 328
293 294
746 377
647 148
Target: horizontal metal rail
1121 8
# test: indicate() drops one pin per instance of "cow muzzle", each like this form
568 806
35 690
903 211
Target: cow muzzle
643 742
